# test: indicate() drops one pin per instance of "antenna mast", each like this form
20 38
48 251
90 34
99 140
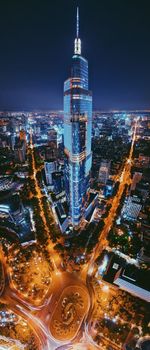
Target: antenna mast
77 42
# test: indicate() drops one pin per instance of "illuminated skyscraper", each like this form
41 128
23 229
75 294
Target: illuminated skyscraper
77 133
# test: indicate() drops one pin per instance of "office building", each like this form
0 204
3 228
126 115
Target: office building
50 167
104 171
131 208
22 135
77 133
12 141
20 151
57 178
52 136
51 151
136 178
133 281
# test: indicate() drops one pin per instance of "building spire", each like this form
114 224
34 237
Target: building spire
77 28
77 42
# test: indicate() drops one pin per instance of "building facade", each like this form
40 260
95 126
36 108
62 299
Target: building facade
77 133
20 151
104 171
50 167
51 150
131 208
52 136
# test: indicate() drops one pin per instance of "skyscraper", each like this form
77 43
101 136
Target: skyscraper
51 150
77 133
104 171
50 167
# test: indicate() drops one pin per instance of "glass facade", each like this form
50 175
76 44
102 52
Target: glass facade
77 137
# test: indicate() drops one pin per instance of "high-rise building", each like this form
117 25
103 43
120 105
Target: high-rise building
52 136
57 178
51 150
77 133
104 171
50 167
131 208
136 179
22 135
20 151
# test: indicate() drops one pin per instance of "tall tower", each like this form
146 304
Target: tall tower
77 133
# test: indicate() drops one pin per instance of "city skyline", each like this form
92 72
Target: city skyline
74 183
117 48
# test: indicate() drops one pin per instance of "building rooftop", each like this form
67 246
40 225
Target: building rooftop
128 277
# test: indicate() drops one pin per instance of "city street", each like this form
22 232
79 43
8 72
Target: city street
55 258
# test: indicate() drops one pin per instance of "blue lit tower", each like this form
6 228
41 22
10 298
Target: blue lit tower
77 133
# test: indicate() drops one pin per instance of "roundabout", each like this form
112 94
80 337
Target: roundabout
69 312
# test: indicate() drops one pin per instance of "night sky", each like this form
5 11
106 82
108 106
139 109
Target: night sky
36 45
